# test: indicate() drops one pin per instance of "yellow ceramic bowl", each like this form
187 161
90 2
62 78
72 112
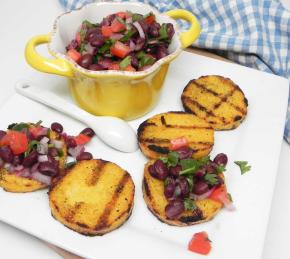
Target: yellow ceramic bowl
124 94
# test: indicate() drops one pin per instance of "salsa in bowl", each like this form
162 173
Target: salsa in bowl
131 90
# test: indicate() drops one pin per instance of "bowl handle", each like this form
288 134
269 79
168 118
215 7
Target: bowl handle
189 36
53 66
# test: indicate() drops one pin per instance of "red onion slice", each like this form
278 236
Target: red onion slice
116 36
132 45
44 140
34 168
140 30
42 158
19 168
57 143
76 151
202 196
41 178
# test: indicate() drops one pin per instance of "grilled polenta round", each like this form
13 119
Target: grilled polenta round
94 197
153 194
216 99
155 134
13 183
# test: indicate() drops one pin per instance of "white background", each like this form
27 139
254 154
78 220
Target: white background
18 22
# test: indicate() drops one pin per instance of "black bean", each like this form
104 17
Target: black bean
86 60
57 127
200 187
84 156
221 159
6 154
52 151
30 159
174 209
88 132
48 168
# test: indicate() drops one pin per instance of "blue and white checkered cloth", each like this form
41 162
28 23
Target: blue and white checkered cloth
255 33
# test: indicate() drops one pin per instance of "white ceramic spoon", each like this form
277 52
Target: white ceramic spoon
111 130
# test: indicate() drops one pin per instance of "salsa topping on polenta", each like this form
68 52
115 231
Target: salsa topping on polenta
33 151
187 180
122 41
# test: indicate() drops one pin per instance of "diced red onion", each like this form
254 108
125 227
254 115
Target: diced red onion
42 148
132 45
202 196
116 36
90 49
42 158
140 30
57 143
129 19
41 178
18 168
9 167
25 173
76 151
34 168
44 140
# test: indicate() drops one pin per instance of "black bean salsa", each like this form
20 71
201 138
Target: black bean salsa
122 41
187 180
29 150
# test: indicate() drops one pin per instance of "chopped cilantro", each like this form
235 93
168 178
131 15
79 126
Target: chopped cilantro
244 167
136 17
128 35
163 32
171 159
106 46
38 123
230 197
211 178
146 60
189 204
20 126
30 147
190 166
60 152
190 182
125 62
140 54
82 47
220 169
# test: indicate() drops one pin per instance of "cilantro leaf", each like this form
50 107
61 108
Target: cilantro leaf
146 60
230 197
140 54
244 167
163 32
20 126
30 147
125 62
128 35
190 182
211 178
189 204
38 123
220 169
136 17
171 159
190 166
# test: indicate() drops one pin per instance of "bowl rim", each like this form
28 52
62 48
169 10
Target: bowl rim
106 73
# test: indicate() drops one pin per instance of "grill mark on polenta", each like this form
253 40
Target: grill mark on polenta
146 188
97 173
158 149
165 141
203 87
103 220
73 211
197 215
163 121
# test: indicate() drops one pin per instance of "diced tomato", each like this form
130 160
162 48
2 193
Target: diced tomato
114 66
17 141
82 139
36 131
73 54
78 38
200 243
178 143
150 19
122 15
117 26
120 50
221 195
106 31
129 68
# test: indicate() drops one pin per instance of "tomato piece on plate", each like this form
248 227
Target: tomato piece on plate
178 143
82 139
120 50
17 141
74 54
106 31
150 19
122 15
221 195
129 68
200 243
38 131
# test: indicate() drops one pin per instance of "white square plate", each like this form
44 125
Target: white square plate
239 234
